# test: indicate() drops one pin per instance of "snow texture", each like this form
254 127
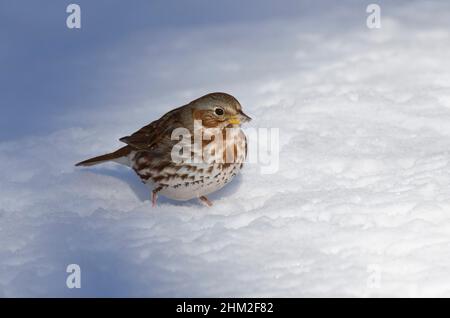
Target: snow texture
360 204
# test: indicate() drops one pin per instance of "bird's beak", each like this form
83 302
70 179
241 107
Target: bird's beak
244 118
239 118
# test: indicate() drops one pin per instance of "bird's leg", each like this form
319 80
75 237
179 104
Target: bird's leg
155 195
205 201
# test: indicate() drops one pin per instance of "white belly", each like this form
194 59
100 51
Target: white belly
203 184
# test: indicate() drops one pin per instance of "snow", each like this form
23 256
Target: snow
359 206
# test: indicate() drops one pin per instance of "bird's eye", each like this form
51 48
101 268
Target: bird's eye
218 111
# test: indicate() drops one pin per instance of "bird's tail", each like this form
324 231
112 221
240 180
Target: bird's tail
113 156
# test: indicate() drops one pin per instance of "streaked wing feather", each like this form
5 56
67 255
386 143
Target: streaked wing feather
148 136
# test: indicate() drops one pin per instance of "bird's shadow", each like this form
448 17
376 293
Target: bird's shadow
143 192
126 175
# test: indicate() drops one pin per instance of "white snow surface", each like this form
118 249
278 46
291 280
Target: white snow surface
360 204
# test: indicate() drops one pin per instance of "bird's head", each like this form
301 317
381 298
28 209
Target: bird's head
218 110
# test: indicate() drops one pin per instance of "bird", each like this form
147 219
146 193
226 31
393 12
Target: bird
150 150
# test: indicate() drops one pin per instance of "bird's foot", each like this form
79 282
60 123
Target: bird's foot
154 198
203 199
155 195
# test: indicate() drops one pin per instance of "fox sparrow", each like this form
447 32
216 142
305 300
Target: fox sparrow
210 152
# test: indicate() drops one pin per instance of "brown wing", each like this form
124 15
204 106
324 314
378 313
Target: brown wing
149 136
